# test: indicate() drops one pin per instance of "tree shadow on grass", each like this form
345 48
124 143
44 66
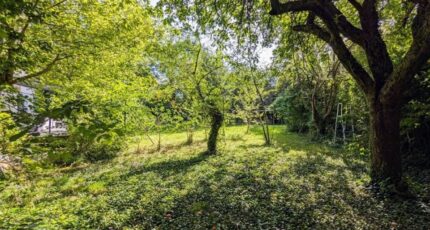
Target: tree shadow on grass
245 193
314 162
169 166
358 164
166 147
313 189
253 198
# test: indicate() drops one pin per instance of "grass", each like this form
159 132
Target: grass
294 184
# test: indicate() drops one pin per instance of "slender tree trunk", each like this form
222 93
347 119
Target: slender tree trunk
159 141
189 136
150 139
319 123
266 132
384 134
248 124
216 123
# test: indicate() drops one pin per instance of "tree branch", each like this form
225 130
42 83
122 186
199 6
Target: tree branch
47 68
291 6
324 9
57 4
315 30
336 26
330 14
415 59
343 53
375 48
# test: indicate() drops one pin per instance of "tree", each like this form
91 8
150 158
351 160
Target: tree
200 75
315 73
32 36
385 81
110 69
106 72
211 91
259 81
36 37
255 85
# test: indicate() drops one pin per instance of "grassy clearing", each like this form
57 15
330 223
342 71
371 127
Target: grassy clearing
294 184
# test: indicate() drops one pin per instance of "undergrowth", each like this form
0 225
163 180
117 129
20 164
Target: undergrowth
293 184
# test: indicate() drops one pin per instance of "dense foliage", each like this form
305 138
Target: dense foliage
214 114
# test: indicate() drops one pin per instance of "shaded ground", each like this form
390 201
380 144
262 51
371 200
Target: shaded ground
294 184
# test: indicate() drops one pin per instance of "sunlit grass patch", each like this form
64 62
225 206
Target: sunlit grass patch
292 184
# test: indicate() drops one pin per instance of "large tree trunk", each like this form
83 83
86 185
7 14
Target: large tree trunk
386 81
217 119
384 141
321 128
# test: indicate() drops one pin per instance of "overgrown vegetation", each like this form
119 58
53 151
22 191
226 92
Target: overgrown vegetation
293 184
214 114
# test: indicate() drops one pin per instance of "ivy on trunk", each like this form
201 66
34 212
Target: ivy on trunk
217 119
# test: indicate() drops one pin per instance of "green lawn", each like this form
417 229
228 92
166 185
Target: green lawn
294 184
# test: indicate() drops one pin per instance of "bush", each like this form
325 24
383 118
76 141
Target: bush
102 151
61 157
8 129
90 142
95 140
290 107
357 149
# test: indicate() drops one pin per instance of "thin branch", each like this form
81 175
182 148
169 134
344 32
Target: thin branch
57 4
335 19
197 60
315 30
47 68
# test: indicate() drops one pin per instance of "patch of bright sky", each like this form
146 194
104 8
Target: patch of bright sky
265 54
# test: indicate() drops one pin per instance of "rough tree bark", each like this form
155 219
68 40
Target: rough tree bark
385 83
217 119
385 141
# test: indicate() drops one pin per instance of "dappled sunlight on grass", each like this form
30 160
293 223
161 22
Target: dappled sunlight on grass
292 184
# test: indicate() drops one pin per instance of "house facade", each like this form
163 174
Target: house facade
48 126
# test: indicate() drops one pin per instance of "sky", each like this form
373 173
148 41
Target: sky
265 54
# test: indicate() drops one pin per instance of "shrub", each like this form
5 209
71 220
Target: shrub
61 157
8 129
95 140
290 107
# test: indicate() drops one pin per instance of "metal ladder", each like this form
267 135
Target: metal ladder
339 119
